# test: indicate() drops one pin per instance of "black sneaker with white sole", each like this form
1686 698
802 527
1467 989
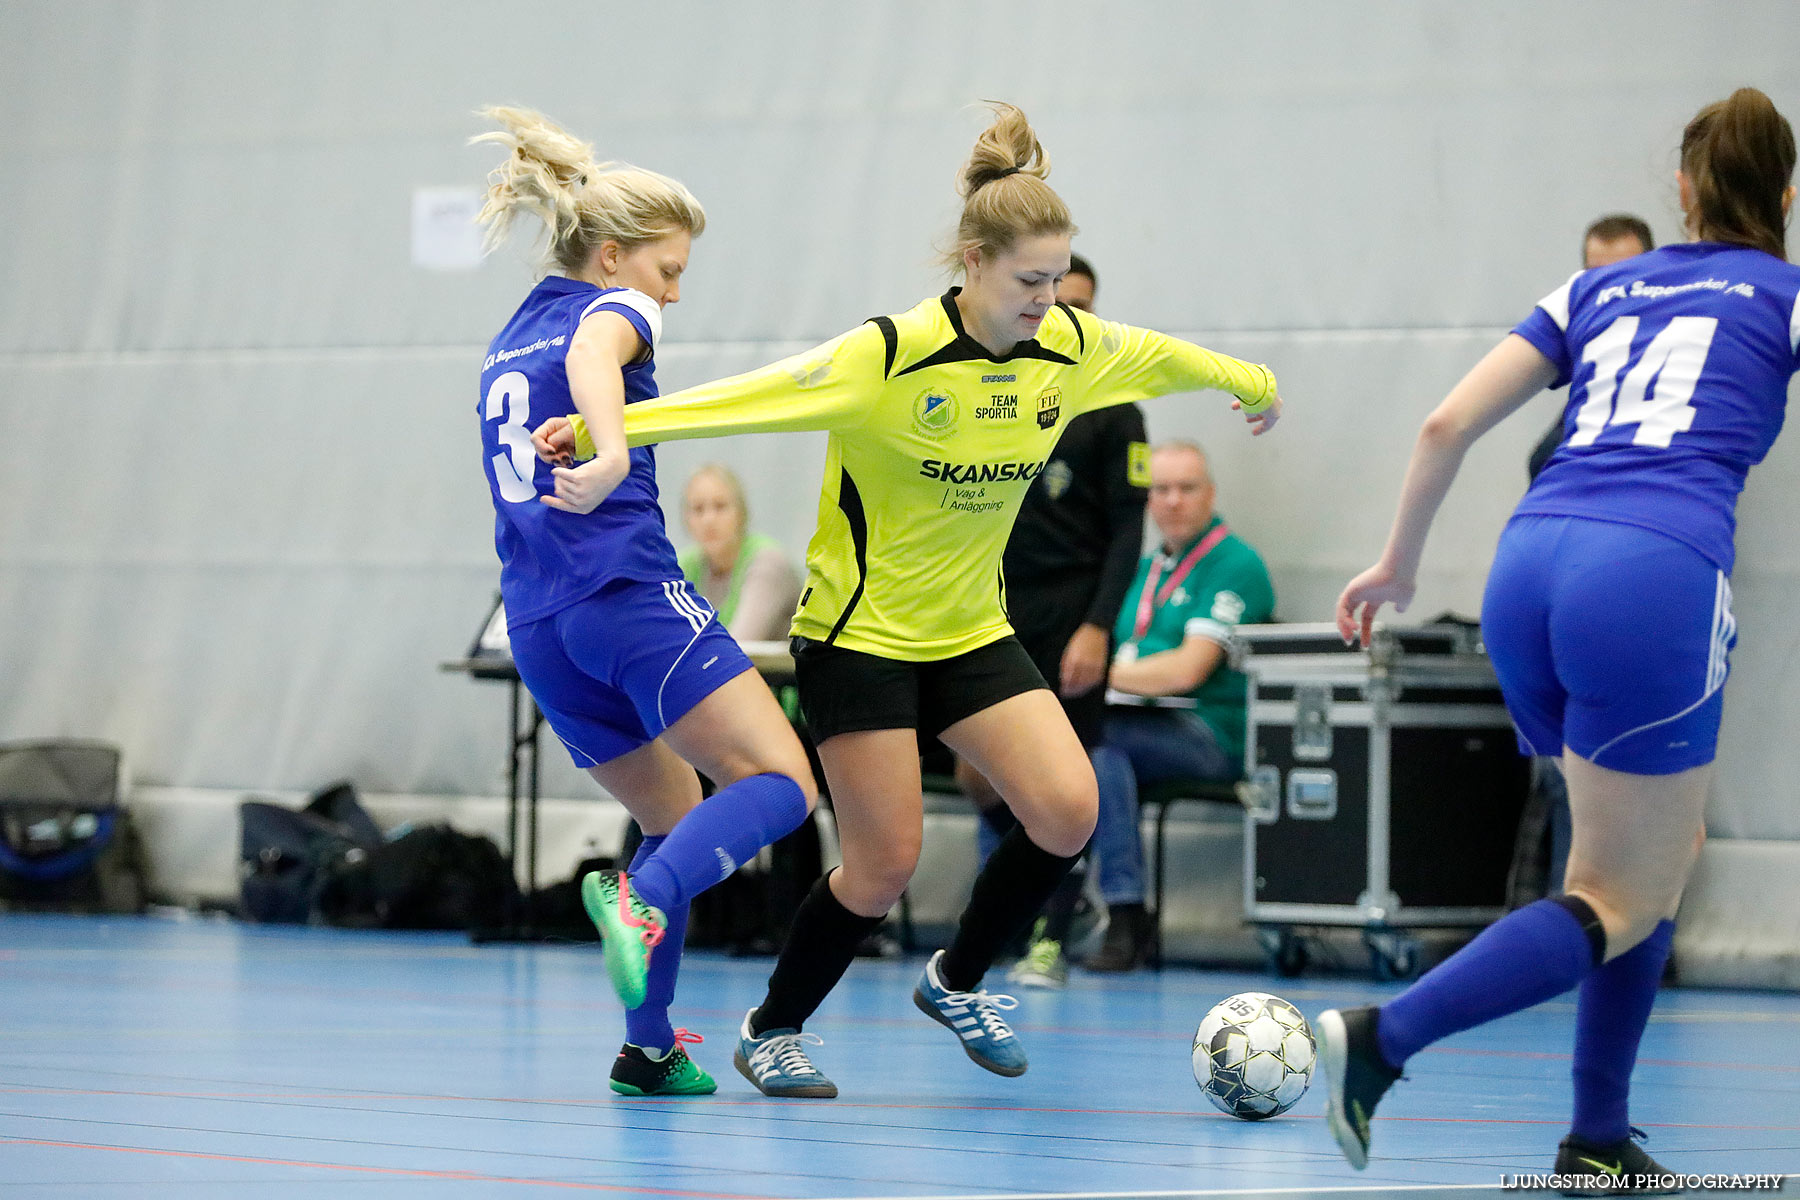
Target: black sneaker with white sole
1356 1076
1621 1168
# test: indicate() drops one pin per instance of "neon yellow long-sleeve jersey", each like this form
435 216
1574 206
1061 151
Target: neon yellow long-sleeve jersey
933 444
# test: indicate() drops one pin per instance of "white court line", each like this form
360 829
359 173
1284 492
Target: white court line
1384 1188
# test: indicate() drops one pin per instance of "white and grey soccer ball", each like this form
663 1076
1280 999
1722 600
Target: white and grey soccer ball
1253 1055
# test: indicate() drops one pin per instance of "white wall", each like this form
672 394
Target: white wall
241 517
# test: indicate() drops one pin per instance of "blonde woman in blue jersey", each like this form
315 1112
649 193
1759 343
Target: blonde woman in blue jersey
583 554
940 418
1608 618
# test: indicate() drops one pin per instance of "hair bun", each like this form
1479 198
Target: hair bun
1007 147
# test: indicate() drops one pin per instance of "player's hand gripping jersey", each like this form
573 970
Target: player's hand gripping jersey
933 445
1678 362
550 559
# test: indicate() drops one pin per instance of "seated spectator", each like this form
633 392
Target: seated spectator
745 576
1177 705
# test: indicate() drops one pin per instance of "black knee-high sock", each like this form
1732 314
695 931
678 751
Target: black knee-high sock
1017 880
821 943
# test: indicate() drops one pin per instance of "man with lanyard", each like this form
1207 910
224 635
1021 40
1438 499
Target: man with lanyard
1177 706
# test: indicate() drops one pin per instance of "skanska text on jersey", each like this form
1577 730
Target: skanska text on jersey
950 472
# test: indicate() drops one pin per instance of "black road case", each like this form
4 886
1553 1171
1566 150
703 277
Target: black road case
1385 787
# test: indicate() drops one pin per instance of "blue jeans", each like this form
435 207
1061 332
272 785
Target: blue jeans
1145 745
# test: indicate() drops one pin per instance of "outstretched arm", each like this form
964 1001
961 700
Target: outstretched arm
1511 373
826 387
1128 364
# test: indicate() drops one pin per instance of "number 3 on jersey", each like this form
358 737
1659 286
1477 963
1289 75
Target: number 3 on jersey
514 471
1654 394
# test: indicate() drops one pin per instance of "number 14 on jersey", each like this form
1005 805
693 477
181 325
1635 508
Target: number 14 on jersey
1654 395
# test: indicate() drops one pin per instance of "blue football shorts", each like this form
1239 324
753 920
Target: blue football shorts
1611 640
613 671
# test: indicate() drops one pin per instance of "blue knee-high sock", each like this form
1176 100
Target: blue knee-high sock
717 836
648 1024
1609 1023
1526 957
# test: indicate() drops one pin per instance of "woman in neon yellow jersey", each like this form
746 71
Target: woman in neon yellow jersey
940 418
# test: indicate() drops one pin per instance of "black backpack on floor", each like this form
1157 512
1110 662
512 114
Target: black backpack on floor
430 877
286 856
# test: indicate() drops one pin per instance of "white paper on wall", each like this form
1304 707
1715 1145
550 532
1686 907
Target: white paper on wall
444 234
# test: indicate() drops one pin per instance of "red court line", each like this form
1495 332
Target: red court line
1653 1062
465 1176
703 1104
1204 1114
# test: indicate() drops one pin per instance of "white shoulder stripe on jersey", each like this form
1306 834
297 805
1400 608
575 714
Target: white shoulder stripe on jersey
1556 304
1794 326
638 303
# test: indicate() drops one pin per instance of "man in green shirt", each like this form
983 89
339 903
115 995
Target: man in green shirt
1178 707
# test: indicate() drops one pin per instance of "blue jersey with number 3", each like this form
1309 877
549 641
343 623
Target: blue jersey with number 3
550 559
1678 363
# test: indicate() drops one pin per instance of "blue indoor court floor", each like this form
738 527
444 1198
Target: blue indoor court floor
196 1059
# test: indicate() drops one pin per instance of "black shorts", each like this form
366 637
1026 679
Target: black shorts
847 691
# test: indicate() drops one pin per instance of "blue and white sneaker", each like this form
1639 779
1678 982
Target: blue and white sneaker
777 1064
975 1018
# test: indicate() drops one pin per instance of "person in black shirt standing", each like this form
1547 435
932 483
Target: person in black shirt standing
1070 559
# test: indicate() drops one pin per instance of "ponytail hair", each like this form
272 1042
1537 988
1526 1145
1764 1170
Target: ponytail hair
552 175
1004 194
1738 155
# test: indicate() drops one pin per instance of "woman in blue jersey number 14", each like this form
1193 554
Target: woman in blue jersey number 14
1607 614
939 419
631 668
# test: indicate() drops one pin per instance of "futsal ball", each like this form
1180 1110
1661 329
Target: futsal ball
1253 1055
